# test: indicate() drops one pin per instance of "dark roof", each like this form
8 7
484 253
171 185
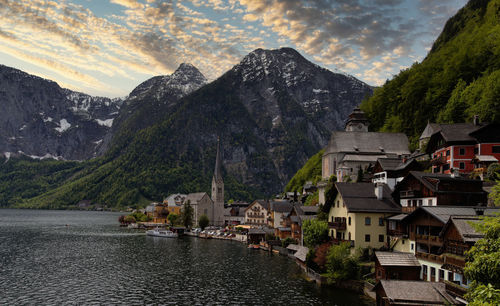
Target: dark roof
464 227
301 253
302 218
397 259
360 197
443 213
398 217
394 164
256 231
309 210
281 206
293 247
432 180
415 292
263 203
458 131
194 198
368 142
429 130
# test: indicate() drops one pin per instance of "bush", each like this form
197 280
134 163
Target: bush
341 264
129 219
287 241
315 232
203 221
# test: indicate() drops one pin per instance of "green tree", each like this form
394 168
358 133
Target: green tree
187 214
172 218
495 194
493 172
483 264
203 221
129 219
315 232
341 264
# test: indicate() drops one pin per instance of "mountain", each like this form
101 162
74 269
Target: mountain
42 120
150 102
459 78
272 111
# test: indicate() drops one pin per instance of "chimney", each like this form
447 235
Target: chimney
476 120
379 191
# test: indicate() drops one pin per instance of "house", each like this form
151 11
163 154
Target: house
408 292
176 199
256 235
359 212
234 215
468 147
422 234
391 171
257 213
436 189
202 204
396 265
458 236
160 213
278 211
150 209
292 226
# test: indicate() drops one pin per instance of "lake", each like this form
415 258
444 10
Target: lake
79 257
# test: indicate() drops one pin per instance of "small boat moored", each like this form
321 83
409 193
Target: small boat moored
162 233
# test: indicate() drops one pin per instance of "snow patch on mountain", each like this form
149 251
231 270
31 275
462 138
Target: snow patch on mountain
63 125
107 122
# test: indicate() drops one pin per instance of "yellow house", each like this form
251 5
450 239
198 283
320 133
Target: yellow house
358 214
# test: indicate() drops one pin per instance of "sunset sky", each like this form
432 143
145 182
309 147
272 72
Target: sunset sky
107 48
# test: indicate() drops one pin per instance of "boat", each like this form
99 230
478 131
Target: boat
162 233
253 246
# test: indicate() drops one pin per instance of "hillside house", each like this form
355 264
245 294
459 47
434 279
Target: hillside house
467 147
391 171
435 189
359 212
257 213
278 211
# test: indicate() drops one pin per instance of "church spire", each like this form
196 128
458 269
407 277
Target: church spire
218 163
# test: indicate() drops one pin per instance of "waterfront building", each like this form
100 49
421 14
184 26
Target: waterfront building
257 213
292 226
202 204
435 189
278 211
358 214
234 215
176 199
404 292
466 147
396 265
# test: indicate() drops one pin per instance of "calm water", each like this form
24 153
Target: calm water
93 261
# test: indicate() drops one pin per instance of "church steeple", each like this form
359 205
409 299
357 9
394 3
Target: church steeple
357 121
217 181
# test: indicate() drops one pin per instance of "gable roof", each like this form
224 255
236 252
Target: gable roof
397 259
368 142
280 206
464 227
263 203
429 130
415 292
360 197
433 180
301 253
194 198
395 164
443 213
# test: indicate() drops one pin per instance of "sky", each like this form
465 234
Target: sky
108 47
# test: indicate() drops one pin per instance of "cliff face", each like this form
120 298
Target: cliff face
41 119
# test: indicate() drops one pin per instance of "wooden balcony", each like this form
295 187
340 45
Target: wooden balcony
396 233
338 225
455 289
430 257
434 240
409 194
455 260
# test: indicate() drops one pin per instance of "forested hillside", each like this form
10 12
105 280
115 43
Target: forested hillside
460 77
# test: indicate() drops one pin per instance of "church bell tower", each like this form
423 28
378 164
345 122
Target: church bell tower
357 121
217 182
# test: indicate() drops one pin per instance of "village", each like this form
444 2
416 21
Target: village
406 216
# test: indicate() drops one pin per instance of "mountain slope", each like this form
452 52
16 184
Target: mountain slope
460 77
41 119
272 111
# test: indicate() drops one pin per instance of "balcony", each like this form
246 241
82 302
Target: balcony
430 257
439 161
396 233
338 225
435 240
454 260
409 194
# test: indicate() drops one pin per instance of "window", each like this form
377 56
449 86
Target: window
462 165
368 221
419 202
381 221
349 235
476 150
450 276
441 274
402 241
412 246
349 220
461 151
433 273
447 152
446 167
380 238
367 238
495 149
392 225
429 202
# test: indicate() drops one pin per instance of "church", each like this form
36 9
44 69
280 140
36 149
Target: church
217 191
355 149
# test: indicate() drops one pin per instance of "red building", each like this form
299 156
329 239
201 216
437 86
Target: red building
467 147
